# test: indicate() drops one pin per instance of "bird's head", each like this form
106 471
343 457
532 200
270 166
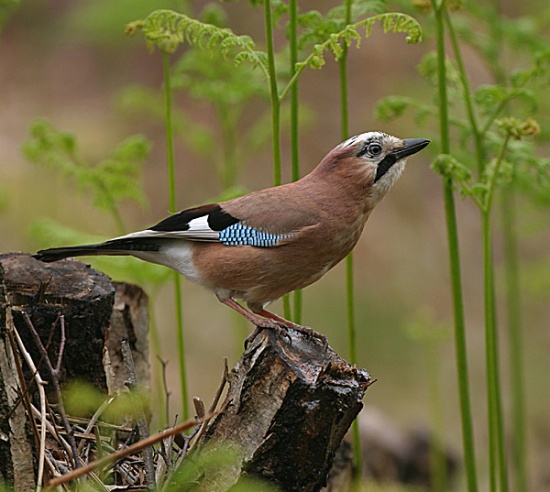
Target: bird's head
373 161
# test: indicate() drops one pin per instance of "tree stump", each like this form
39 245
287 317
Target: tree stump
80 317
289 405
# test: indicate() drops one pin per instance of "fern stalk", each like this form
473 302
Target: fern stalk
113 209
491 341
513 292
274 95
275 114
294 96
497 445
454 259
513 308
497 459
466 93
172 204
294 126
350 294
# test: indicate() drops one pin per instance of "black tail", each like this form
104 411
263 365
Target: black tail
118 247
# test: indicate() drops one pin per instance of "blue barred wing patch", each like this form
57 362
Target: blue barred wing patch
240 234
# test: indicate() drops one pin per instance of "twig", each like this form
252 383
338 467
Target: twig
134 448
142 421
214 403
61 344
199 407
105 425
55 384
42 396
52 429
50 337
24 396
165 386
93 421
164 461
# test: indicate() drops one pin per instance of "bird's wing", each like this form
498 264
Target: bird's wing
211 223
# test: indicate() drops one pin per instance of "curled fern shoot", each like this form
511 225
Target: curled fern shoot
166 30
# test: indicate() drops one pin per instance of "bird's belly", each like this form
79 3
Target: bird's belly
174 254
258 275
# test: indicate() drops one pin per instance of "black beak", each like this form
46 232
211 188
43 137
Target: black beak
410 146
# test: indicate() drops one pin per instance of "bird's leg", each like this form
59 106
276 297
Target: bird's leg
258 321
306 330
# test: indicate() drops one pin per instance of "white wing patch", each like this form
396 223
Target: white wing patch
199 230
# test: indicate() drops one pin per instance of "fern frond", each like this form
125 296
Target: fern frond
393 21
110 181
166 30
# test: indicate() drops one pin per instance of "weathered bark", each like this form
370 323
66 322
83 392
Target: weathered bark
16 440
289 404
95 314
129 319
288 408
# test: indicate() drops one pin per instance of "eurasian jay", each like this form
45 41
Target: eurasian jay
261 246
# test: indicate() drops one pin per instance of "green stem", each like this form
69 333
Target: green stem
294 101
491 360
494 115
497 449
118 220
513 291
274 95
460 337
287 313
497 445
294 125
169 133
350 310
454 260
513 308
275 114
438 466
466 92
172 202
324 46
350 294
488 203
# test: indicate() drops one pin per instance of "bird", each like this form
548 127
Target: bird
258 247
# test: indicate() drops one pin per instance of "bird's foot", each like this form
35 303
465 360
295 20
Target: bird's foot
268 324
308 332
261 318
286 324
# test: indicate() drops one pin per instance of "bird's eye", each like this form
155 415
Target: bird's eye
375 149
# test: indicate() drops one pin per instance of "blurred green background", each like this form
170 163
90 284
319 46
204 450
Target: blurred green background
70 62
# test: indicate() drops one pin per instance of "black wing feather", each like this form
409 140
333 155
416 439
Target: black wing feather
218 219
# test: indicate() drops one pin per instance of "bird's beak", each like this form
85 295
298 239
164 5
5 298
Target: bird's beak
410 146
